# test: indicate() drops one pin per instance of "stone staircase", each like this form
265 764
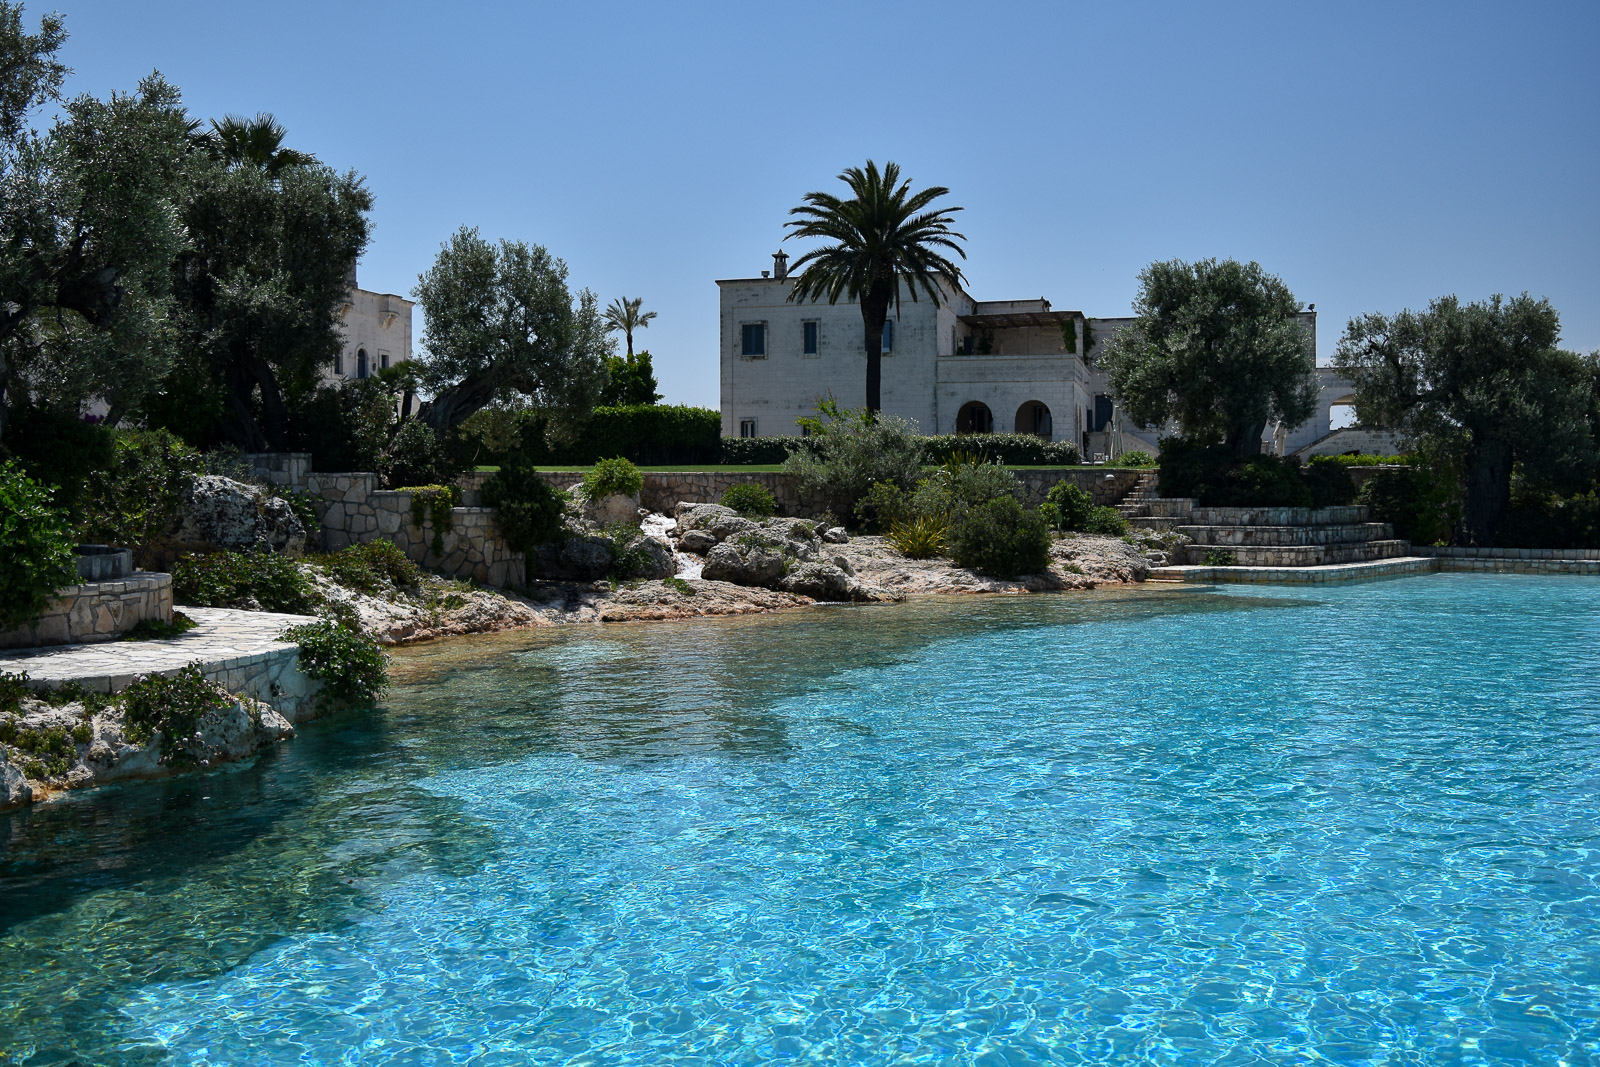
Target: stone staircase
1262 537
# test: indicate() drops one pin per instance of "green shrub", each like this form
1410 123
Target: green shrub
227 579
751 500
1013 449
346 427
37 556
741 450
1137 458
156 630
1360 461
963 481
883 505
60 449
1330 485
612 477
13 687
921 537
432 504
416 456
1217 476
371 567
848 451
1219 558
1550 520
136 498
1002 538
1421 506
644 433
1107 522
527 509
1068 506
172 707
352 668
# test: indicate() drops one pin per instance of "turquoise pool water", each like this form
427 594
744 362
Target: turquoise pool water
1348 825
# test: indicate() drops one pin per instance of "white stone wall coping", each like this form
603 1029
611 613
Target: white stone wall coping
223 640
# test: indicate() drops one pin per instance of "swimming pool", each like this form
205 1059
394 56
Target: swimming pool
1351 824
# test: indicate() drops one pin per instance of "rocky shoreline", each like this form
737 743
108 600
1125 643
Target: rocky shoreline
728 565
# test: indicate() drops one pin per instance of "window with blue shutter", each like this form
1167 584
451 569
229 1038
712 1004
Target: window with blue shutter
812 330
888 335
753 339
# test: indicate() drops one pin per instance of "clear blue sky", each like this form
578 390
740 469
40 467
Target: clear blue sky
1372 155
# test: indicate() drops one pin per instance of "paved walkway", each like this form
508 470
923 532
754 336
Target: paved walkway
224 641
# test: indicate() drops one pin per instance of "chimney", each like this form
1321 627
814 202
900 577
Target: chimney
780 264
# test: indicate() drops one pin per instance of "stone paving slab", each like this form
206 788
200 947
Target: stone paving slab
1388 568
225 642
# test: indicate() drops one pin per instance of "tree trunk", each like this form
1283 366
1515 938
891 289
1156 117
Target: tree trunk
874 311
455 404
1246 440
244 375
1488 489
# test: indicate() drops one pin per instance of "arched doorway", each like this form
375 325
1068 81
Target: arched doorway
974 417
361 363
1034 417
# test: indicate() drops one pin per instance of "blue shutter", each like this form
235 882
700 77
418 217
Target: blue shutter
888 335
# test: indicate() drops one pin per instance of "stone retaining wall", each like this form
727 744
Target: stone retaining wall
96 611
1451 552
664 489
353 510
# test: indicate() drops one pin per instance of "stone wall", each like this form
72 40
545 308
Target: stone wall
96 611
353 510
664 489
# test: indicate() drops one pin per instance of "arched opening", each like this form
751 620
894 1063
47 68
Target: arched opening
361 363
1033 417
974 417
1342 413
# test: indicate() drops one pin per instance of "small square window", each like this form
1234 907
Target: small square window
747 427
813 335
753 339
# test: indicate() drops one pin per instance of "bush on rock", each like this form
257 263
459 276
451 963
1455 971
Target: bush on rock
612 477
265 580
750 500
1001 538
528 509
352 668
36 551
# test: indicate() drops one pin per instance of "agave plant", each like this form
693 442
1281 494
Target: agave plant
920 538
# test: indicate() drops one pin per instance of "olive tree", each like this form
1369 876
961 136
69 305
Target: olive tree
88 229
500 321
1482 381
1217 346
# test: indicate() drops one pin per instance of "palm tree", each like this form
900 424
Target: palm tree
256 142
623 314
884 233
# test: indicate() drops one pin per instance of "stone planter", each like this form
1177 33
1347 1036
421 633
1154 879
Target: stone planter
103 563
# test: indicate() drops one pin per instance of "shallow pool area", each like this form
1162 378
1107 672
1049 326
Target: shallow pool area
1240 825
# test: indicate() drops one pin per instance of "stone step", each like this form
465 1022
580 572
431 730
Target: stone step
1330 534
1173 506
1158 523
1279 516
1368 552
1300 555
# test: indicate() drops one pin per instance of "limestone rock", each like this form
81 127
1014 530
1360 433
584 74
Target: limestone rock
697 541
613 510
835 535
748 560
699 516
823 581
220 513
14 787
654 556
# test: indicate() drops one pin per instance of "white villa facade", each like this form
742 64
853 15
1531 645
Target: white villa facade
966 366
377 334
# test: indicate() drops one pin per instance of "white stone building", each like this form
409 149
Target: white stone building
966 366
377 334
